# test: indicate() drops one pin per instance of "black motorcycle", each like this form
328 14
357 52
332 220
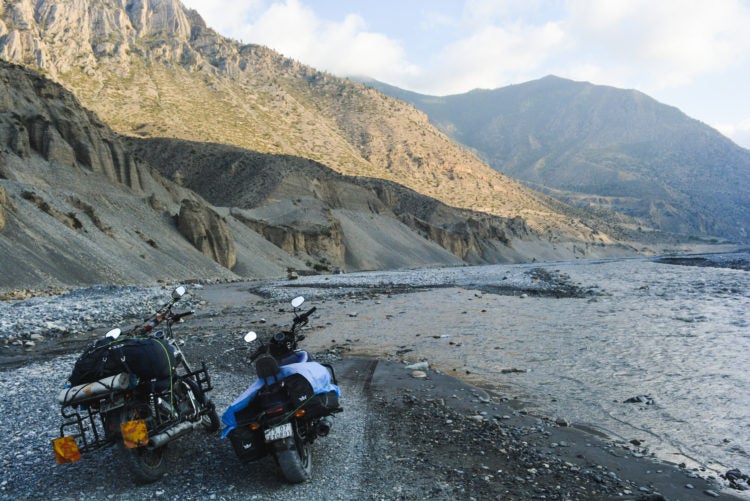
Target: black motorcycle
137 391
288 407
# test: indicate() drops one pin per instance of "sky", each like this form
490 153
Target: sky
692 54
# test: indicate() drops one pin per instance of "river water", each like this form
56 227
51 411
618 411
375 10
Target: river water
679 335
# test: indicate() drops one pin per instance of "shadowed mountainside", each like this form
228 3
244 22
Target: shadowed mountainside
294 202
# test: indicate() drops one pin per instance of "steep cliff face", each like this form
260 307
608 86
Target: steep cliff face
74 203
206 230
60 37
39 116
320 237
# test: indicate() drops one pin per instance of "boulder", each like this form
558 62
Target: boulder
208 232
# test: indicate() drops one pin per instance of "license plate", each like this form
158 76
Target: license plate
279 432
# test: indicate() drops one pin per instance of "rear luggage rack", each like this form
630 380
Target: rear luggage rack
87 429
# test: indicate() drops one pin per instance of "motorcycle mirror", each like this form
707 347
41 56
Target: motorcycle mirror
179 292
250 337
114 333
297 301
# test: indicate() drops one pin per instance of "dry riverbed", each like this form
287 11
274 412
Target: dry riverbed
407 433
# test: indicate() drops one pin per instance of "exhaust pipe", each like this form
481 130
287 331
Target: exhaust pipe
324 427
172 433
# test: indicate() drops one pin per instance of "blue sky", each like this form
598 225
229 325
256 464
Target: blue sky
692 54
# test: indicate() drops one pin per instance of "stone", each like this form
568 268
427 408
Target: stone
640 399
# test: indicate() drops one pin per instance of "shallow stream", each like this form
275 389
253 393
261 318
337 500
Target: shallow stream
678 336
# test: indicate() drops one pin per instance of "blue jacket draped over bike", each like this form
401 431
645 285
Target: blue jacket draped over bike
317 375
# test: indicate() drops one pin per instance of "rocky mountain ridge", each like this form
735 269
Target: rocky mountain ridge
152 68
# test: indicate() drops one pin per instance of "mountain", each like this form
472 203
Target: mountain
81 204
151 68
597 146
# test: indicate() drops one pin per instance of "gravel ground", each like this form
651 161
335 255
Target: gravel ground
400 437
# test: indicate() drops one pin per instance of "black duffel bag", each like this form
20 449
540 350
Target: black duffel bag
148 358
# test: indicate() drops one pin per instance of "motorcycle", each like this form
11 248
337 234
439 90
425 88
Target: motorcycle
138 391
288 407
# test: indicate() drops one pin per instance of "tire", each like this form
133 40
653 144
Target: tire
211 420
295 461
146 465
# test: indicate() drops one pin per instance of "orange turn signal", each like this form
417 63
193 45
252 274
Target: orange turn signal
134 433
66 450
300 413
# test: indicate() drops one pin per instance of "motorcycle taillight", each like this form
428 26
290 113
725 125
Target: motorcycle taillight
275 411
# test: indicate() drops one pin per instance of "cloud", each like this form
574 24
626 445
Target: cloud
738 132
628 43
494 56
225 16
660 44
343 48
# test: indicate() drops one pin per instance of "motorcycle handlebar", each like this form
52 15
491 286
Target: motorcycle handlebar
175 317
303 317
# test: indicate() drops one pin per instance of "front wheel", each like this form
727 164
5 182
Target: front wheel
211 420
295 461
146 465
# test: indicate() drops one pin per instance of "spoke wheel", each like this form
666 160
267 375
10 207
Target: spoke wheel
146 465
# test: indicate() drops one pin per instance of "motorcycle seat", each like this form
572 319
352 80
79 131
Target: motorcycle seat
162 384
267 367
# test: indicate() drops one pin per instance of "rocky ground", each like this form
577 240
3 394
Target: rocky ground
406 433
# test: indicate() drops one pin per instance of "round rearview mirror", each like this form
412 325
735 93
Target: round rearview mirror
114 333
297 301
179 292
250 337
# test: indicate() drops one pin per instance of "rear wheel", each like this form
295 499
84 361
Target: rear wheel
295 461
145 465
